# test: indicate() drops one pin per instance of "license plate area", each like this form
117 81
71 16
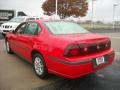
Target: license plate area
99 60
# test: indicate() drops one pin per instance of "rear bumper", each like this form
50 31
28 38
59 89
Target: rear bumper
79 68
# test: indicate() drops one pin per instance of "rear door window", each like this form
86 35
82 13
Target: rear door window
32 29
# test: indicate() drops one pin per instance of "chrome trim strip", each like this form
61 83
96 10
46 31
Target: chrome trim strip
78 62
70 63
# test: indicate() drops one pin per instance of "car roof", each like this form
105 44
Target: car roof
21 16
47 20
24 17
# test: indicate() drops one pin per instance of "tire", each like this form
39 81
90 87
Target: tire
39 66
8 49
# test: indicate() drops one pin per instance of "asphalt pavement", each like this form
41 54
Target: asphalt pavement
16 74
1 36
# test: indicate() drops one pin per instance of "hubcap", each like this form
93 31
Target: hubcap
7 46
38 64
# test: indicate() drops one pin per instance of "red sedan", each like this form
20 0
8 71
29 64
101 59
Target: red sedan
60 47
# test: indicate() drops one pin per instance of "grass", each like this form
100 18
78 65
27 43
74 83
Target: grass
100 26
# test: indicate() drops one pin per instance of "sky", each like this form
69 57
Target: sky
103 9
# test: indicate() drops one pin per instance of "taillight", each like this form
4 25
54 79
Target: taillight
76 50
72 50
82 49
108 45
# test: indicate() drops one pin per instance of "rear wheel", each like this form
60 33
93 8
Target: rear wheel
8 49
39 66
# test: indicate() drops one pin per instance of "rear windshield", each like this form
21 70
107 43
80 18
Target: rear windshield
62 27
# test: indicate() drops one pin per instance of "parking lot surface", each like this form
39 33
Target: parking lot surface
16 74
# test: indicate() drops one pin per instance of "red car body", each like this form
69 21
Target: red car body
60 52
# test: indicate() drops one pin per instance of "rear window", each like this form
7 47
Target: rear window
62 27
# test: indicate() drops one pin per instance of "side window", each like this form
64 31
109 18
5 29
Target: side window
32 29
20 29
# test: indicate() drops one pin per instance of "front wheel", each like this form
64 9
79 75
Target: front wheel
3 35
8 49
39 66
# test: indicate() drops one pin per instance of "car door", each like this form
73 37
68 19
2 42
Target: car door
13 38
27 38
